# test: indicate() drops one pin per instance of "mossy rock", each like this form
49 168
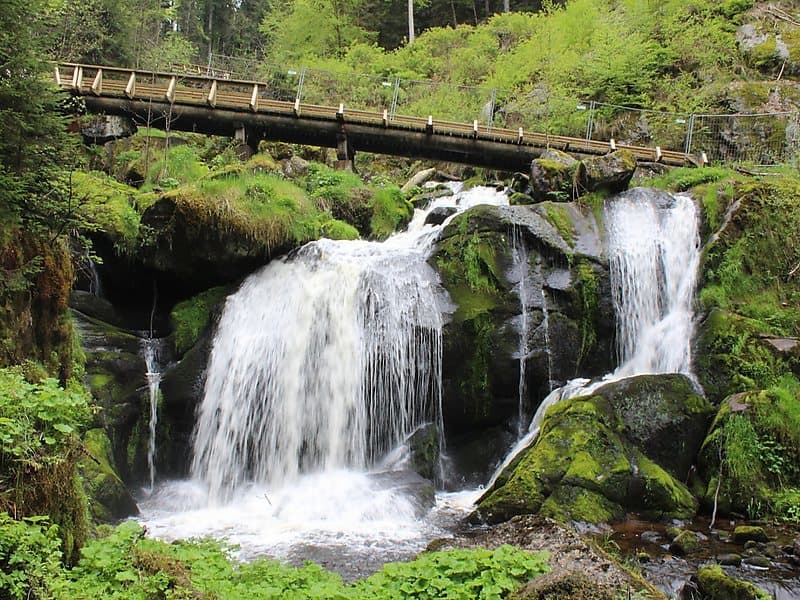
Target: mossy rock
191 317
559 584
686 542
664 416
714 584
749 533
609 173
744 458
109 499
554 179
581 468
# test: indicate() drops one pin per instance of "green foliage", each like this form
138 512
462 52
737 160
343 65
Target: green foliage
390 210
39 421
123 564
108 206
478 573
181 164
190 317
331 187
339 230
683 179
30 557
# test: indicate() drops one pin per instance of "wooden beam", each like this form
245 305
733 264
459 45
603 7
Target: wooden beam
97 84
254 98
429 125
170 95
296 108
520 136
57 76
77 78
212 95
130 89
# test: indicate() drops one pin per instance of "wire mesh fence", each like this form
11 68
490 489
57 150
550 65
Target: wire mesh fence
752 138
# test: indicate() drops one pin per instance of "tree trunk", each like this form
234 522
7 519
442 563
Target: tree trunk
506 5
410 21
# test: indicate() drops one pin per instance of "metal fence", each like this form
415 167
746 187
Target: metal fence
747 138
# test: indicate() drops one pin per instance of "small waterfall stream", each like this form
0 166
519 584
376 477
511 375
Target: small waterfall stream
151 350
522 267
653 248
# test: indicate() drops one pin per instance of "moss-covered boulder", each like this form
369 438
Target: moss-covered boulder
554 176
191 317
747 461
664 416
582 468
712 583
109 499
610 173
567 307
560 584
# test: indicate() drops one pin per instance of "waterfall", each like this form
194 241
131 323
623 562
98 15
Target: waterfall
151 350
653 249
521 264
325 360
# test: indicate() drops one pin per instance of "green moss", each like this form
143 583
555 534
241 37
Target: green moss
716 585
569 503
390 211
190 317
108 497
109 206
580 468
588 290
758 443
685 178
765 55
663 494
339 230
558 216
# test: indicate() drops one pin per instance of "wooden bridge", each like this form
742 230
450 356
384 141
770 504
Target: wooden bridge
250 112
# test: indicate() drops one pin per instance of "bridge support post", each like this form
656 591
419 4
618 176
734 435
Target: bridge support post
345 154
246 142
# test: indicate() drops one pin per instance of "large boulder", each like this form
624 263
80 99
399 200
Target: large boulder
584 467
609 173
554 176
664 416
99 129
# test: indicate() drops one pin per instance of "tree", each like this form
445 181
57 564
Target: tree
410 21
34 146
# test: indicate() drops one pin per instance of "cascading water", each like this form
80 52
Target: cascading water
653 248
521 266
151 350
322 363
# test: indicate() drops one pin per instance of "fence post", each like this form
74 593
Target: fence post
300 82
689 134
395 94
590 121
490 116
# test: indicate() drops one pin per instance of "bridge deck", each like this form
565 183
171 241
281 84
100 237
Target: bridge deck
225 107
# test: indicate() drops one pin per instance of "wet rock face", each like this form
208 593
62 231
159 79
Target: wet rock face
100 129
567 326
590 461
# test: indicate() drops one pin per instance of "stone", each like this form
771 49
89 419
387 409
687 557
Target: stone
438 215
687 542
94 306
713 584
610 173
580 469
554 176
651 537
419 179
563 584
294 167
731 560
747 533
99 129
761 562
664 416
520 199
423 449
109 499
